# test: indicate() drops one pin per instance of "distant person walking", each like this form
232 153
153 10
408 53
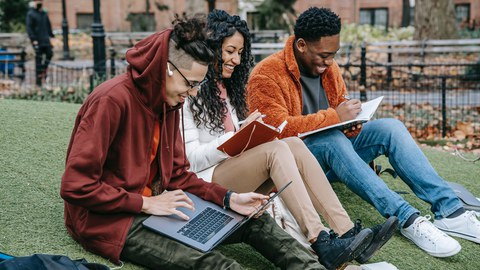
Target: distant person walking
39 31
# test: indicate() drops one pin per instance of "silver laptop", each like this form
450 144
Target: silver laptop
208 226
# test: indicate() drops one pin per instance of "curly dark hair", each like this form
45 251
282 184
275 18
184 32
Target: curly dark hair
191 36
207 107
315 23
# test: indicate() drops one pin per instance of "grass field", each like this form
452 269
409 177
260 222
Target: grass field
33 141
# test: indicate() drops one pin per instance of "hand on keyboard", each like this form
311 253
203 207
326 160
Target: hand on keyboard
167 204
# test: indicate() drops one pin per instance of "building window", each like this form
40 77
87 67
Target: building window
374 16
462 12
84 21
141 22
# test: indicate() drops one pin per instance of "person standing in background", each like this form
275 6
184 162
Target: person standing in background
39 31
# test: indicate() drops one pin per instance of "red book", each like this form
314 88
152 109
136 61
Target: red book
255 133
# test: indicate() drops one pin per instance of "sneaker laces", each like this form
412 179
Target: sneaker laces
472 217
333 234
422 225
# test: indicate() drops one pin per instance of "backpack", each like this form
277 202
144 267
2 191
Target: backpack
47 262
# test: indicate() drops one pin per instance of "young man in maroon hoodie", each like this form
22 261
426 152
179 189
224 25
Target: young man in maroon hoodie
126 149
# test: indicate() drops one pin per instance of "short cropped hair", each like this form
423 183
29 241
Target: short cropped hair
188 41
315 23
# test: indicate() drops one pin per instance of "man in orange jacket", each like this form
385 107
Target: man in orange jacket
303 85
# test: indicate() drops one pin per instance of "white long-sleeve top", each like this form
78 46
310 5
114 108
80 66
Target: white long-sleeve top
201 145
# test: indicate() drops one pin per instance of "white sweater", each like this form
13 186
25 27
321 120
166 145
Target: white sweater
201 145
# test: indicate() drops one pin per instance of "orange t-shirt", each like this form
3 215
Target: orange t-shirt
147 192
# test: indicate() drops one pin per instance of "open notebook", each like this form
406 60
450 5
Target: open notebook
208 226
368 110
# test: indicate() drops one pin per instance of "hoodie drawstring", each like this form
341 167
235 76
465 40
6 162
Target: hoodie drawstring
183 139
164 127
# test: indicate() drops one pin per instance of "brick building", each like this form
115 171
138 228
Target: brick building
131 15
384 12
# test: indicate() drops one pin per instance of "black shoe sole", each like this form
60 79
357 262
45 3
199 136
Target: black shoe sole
361 242
386 232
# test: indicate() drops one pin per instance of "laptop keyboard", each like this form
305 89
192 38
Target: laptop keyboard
205 225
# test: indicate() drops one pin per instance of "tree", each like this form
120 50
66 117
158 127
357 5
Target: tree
277 14
12 15
435 19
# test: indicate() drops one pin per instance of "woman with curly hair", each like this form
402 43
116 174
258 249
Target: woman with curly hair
213 116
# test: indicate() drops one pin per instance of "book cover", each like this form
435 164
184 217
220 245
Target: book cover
368 110
255 133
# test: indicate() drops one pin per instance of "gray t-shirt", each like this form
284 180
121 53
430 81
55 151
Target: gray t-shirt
313 94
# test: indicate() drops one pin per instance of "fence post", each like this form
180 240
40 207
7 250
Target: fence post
23 59
389 67
113 53
92 82
363 72
444 106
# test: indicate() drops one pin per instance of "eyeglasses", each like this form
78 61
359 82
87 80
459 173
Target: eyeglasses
327 56
196 85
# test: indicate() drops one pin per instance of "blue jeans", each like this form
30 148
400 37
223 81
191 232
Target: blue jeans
346 159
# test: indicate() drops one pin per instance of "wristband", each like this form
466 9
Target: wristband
226 199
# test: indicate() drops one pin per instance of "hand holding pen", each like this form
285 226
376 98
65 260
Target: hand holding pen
349 109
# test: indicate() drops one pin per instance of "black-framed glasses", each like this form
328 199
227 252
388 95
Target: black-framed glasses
196 85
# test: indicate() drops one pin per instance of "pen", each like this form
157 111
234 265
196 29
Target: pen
347 97
243 121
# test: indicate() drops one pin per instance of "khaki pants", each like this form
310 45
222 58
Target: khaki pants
155 251
282 161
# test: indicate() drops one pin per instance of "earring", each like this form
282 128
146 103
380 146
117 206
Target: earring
170 73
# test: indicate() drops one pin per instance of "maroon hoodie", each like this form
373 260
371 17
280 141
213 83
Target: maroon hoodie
108 158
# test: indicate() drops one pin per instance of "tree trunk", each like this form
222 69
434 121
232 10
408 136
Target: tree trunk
406 13
435 19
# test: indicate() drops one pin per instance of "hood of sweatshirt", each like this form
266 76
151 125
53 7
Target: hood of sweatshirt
147 66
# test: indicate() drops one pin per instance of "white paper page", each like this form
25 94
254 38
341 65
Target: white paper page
369 108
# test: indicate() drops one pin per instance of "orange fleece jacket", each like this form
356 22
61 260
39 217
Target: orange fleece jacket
274 89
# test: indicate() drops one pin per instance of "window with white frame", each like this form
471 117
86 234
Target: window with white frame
374 16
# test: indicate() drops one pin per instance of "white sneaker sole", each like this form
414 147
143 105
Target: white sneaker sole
435 253
461 235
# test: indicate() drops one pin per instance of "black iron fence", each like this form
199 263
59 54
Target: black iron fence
431 86
432 94
431 99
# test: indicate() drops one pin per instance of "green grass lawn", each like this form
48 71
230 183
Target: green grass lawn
33 142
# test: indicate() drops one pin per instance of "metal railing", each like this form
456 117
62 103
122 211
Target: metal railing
432 86
432 95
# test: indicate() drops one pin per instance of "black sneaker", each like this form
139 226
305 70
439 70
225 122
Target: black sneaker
333 251
381 234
